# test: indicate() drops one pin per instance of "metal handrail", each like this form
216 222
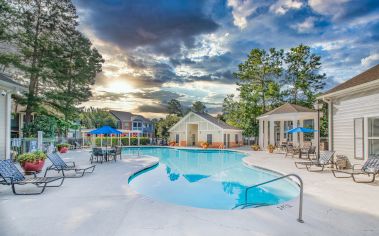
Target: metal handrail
300 219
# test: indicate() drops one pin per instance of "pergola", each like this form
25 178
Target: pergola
273 125
129 133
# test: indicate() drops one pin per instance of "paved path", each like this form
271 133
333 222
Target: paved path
102 203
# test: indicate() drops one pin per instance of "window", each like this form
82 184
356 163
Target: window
209 138
236 138
308 124
373 136
177 138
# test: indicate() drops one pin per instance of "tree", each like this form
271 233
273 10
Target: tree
164 125
259 72
174 107
75 70
198 107
94 118
302 76
46 124
38 26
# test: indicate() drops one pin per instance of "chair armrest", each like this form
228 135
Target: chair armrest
353 167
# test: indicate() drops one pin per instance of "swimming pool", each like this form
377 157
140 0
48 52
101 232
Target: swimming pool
214 179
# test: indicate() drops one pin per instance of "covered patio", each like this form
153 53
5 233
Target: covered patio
274 126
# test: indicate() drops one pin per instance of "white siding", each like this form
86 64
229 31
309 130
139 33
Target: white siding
345 110
2 126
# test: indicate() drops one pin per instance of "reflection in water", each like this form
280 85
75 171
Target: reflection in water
210 179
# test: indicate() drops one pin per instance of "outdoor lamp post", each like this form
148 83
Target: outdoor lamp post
318 107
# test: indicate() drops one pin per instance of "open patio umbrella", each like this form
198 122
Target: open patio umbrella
301 130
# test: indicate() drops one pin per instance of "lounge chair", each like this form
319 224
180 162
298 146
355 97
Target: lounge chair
12 176
59 165
326 158
370 167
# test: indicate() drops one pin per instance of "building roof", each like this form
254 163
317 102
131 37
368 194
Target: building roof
216 121
5 78
288 108
365 77
127 116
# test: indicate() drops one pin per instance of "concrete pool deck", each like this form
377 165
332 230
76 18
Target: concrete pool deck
102 203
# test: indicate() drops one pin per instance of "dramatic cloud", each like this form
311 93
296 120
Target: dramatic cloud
157 50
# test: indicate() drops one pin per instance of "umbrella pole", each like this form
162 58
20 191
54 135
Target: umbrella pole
101 140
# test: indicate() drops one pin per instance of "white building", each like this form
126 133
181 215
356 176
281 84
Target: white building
7 87
353 108
197 128
273 125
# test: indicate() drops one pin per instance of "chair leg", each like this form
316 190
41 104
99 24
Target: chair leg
335 175
312 170
35 193
369 181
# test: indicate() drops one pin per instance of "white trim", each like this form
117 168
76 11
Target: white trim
357 88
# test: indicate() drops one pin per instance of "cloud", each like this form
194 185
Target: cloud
306 26
282 6
163 25
371 60
241 10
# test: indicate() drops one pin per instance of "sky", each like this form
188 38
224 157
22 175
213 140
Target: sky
158 50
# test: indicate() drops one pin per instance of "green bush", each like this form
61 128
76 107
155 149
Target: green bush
31 156
124 141
61 145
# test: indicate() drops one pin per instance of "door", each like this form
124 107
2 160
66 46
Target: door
193 139
358 139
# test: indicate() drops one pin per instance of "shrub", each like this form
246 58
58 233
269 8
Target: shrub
124 141
256 147
31 156
61 145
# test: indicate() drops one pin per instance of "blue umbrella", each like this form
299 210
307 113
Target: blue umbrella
301 130
105 130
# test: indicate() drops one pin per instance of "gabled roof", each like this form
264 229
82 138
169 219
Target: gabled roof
121 115
5 78
288 108
216 121
369 75
127 116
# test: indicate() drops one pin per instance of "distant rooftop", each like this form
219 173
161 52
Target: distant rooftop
288 108
7 79
365 77
126 116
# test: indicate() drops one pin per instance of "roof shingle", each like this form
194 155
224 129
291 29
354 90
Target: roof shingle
365 77
216 121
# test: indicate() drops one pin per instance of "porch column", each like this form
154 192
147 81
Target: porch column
294 135
281 130
317 134
330 125
261 134
20 125
272 133
301 135
265 136
8 111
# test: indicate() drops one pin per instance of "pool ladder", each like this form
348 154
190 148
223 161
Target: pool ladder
246 204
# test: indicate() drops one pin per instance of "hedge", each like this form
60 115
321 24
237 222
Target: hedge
124 141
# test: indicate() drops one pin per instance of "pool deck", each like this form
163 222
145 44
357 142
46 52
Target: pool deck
102 203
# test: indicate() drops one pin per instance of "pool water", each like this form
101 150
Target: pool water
214 179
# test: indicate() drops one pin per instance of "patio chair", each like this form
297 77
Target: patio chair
308 151
369 168
291 150
12 176
77 145
326 158
97 155
116 153
59 165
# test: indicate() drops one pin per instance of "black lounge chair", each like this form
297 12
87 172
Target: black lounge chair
326 158
370 168
59 165
12 176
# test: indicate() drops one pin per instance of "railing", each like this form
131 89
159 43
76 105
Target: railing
300 218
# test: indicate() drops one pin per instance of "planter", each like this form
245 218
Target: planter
63 149
33 166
